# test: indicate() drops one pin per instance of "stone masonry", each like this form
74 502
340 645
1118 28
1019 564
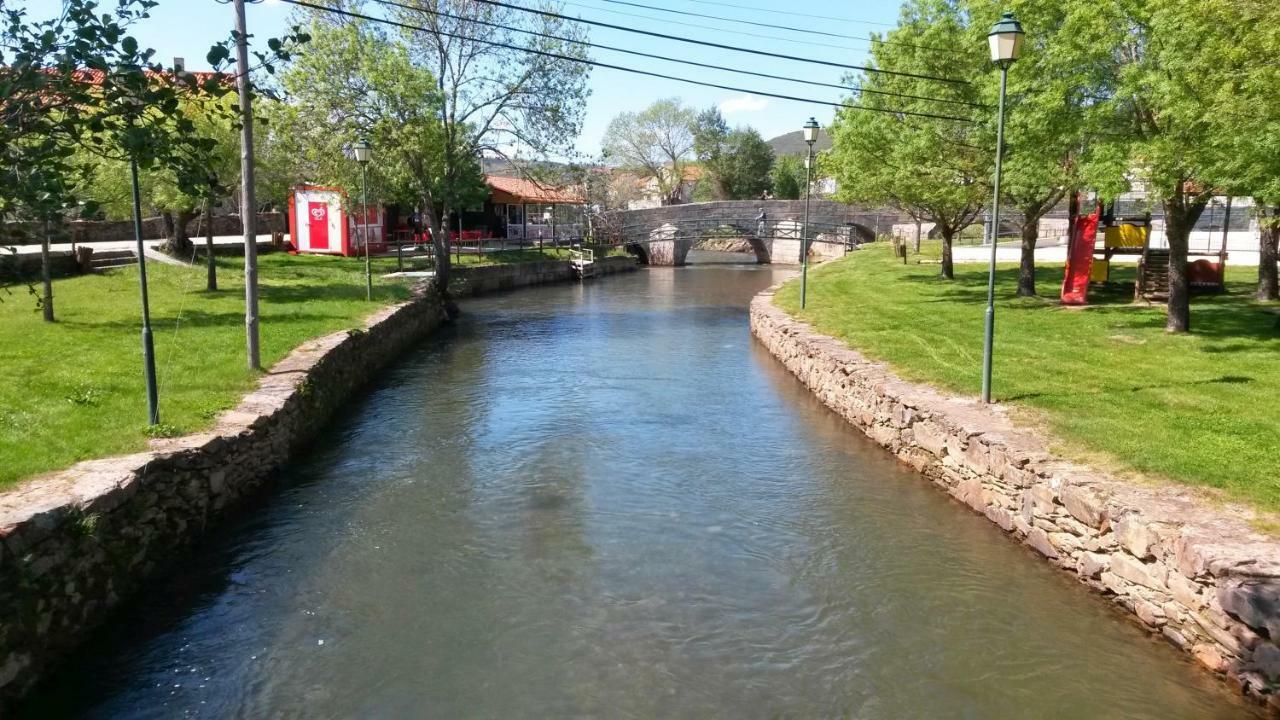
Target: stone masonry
76 544
1198 575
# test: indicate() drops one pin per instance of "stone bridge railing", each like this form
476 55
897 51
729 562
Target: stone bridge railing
664 235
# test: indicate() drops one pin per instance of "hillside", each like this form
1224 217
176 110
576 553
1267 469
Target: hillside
793 143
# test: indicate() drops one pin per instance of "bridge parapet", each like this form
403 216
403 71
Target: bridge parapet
833 227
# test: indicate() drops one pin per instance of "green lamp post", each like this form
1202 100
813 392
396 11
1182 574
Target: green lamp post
1005 40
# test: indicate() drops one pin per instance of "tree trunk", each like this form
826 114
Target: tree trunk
212 282
440 246
1180 216
1268 253
948 267
1027 267
46 275
917 237
177 242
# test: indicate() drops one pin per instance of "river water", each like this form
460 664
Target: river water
606 500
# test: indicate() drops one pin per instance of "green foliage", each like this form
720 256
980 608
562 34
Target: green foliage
736 163
1108 382
787 177
936 170
655 143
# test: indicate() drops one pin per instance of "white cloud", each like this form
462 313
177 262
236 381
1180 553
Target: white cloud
743 103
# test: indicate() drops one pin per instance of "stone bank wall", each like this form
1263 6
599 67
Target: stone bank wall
78 543
74 545
491 278
1198 575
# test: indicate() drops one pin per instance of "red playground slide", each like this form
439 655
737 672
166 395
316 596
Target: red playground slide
1075 285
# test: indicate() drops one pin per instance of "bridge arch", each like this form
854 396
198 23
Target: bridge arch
661 235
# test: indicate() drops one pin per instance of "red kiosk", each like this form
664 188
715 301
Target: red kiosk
319 223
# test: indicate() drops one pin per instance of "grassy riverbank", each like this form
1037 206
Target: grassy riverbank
1106 380
74 389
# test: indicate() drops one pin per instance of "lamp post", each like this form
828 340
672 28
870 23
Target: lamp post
364 153
810 136
148 346
1005 40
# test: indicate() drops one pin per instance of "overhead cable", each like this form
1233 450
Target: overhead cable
775 26
596 63
694 63
704 43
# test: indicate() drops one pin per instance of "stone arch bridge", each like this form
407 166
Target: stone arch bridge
664 235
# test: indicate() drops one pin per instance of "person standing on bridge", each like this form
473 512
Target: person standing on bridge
760 222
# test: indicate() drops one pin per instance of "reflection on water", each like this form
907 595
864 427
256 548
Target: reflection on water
606 500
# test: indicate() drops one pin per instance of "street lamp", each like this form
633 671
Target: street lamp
1005 40
133 110
364 153
810 136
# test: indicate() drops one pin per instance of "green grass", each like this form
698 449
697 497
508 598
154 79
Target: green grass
1106 380
74 389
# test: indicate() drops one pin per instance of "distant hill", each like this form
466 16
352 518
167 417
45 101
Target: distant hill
793 143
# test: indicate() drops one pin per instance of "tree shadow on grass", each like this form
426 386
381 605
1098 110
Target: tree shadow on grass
1115 389
190 318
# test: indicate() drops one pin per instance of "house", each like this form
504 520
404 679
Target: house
638 192
521 209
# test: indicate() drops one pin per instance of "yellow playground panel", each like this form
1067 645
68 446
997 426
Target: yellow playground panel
1125 236
1100 270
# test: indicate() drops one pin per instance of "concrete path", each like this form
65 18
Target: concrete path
130 244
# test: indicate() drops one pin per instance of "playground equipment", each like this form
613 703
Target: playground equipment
1131 235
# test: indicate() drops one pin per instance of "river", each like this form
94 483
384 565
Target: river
606 500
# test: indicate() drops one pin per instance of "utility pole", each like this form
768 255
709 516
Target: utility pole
248 205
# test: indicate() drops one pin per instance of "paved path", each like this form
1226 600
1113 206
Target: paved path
130 244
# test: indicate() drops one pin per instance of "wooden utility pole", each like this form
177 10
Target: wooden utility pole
248 206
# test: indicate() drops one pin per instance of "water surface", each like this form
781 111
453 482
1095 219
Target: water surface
606 500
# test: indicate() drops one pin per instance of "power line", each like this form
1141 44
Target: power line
704 27
677 38
791 13
808 31
595 63
585 43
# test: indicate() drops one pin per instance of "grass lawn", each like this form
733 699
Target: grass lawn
1106 380
74 389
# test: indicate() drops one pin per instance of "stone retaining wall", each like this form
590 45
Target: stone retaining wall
77 543
490 278
25 267
92 231
1199 575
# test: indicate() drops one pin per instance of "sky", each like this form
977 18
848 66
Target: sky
186 28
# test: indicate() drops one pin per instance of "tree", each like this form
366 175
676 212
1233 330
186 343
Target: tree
1156 81
787 177
1046 123
935 169
1234 35
655 143
506 77
108 183
736 162
78 85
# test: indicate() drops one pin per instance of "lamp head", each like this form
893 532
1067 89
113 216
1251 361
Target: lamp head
811 131
363 151
1005 40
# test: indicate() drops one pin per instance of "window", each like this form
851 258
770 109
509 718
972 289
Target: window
515 214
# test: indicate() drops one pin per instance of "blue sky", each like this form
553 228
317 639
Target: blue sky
186 28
